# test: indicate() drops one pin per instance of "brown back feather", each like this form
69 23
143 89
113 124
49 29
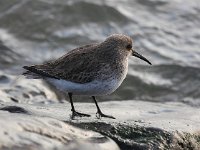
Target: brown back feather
75 66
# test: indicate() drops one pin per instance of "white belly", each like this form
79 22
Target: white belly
93 88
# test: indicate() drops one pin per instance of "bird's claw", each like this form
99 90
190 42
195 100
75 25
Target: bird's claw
77 114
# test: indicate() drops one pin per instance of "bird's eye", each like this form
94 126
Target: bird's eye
129 47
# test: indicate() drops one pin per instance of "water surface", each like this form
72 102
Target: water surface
166 32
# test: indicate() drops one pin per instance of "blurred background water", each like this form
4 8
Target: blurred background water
166 32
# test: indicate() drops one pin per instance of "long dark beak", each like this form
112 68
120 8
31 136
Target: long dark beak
134 53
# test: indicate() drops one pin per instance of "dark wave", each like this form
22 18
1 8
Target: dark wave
53 27
47 17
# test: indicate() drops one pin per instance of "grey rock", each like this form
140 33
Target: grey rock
19 90
139 125
19 130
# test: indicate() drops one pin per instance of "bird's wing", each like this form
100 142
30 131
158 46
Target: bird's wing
79 65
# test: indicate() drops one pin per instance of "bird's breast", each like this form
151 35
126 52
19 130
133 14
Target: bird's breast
116 77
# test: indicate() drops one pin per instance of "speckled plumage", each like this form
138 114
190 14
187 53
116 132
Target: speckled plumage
106 61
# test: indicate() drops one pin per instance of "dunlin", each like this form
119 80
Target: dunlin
95 69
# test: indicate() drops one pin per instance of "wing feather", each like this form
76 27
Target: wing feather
77 66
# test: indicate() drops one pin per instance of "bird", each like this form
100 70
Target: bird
92 70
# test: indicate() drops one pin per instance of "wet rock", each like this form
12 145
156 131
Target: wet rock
4 79
146 125
14 109
139 125
20 90
22 131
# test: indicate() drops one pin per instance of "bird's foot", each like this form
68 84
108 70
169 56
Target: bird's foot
99 114
77 114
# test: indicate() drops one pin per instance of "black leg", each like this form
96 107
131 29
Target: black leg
72 105
75 113
99 113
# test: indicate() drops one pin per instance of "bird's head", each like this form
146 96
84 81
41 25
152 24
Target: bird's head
125 44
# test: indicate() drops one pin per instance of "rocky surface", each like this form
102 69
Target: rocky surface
138 125
21 129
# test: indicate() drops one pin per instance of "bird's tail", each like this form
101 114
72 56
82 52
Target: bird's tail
31 75
34 73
